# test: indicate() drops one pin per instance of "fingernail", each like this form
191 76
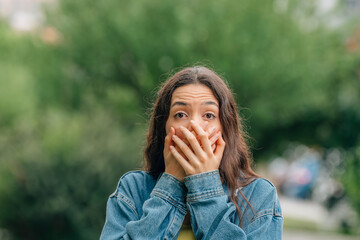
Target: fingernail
172 147
192 121
174 136
212 129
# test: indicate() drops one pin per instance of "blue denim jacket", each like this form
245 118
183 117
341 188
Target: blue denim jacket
146 208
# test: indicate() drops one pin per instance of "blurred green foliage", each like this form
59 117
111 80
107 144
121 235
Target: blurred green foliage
351 177
75 93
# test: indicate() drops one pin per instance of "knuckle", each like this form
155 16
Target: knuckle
192 138
183 147
197 165
204 157
203 134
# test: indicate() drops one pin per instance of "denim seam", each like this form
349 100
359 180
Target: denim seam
170 226
205 194
200 175
263 213
173 180
169 199
167 230
277 212
127 201
213 189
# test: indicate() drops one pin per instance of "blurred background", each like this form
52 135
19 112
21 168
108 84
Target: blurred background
77 79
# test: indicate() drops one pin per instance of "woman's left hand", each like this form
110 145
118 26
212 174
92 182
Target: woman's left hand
200 158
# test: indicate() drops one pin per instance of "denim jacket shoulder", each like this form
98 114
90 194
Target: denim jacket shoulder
134 189
143 207
261 202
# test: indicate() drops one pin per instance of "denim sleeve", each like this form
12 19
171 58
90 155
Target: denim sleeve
212 215
162 214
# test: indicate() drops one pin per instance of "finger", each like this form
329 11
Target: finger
167 143
172 140
194 143
182 161
185 149
203 137
205 125
214 138
197 138
181 153
186 141
220 147
213 147
172 132
211 132
176 147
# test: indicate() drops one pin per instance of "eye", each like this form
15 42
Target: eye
209 116
180 115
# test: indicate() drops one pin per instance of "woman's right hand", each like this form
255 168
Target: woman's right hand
172 166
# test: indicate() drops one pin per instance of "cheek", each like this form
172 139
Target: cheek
168 125
219 126
179 133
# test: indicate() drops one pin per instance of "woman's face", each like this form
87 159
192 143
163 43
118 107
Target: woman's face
193 102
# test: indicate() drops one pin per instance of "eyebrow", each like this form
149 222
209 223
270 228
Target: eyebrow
185 104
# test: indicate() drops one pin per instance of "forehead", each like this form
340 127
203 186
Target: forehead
193 92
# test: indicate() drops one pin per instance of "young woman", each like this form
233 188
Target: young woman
198 171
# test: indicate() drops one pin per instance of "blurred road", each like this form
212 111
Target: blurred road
301 235
305 210
313 213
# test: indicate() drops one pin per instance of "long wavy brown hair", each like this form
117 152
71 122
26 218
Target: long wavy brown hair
235 167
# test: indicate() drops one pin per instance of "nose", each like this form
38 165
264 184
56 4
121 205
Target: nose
198 120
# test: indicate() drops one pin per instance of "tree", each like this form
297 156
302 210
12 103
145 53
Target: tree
94 67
